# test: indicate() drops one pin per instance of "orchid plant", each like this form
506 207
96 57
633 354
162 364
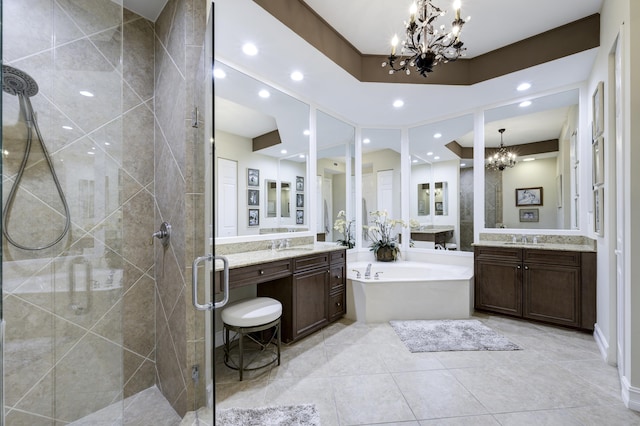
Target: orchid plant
345 227
383 233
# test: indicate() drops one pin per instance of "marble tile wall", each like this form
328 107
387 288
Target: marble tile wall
76 342
466 209
179 35
492 198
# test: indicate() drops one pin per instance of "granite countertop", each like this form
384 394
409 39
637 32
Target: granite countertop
538 246
248 258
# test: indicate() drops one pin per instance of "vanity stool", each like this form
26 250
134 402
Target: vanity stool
246 318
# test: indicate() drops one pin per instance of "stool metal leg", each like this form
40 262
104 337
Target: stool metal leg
241 349
279 339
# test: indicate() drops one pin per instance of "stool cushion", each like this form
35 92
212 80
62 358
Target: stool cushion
252 312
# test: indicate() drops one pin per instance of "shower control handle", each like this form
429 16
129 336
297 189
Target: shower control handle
164 234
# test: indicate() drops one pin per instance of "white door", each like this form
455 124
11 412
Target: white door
620 217
385 191
227 208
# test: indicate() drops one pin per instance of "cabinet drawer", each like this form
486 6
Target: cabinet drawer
337 307
311 262
338 256
552 257
503 253
263 272
336 277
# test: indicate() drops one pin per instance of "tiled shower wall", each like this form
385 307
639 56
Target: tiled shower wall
80 315
179 197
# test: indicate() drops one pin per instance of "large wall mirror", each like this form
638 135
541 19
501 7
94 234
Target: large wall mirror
261 154
441 188
540 190
381 186
335 183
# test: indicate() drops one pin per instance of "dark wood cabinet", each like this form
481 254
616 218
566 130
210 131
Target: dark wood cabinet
312 295
552 286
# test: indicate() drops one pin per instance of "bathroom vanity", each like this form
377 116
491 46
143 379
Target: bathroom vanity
309 281
552 283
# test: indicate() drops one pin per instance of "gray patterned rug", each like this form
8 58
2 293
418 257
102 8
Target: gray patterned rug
291 415
450 335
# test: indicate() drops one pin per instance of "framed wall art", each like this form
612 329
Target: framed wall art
254 217
253 197
598 110
598 161
299 200
299 183
253 177
598 211
299 217
529 196
529 215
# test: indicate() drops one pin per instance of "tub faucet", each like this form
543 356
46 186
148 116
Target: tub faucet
367 273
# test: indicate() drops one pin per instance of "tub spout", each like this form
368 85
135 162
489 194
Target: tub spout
367 273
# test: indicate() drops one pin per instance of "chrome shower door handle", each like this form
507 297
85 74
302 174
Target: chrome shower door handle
225 283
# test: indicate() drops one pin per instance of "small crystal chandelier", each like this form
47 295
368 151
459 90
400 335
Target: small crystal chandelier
502 158
425 45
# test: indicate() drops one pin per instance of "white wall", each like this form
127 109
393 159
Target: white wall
531 174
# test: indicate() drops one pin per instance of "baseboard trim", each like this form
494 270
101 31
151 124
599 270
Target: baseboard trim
630 394
603 346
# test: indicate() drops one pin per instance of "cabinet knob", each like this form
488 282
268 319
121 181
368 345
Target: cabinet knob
338 277
518 266
526 267
328 271
338 304
261 272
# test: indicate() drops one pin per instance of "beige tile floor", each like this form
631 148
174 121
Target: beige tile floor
360 374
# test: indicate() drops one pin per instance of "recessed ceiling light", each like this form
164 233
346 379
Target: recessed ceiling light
437 135
297 76
301 156
107 144
523 86
87 94
429 153
463 164
528 159
250 49
366 140
67 127
398 103
306 132
264 93
91 153
525 104
436 158
219 73
414 161
283 151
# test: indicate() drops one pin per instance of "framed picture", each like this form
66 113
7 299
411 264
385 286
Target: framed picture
253 177
529 215
299 183
529 196
254 217
438 206
299 217
299 200
253 197
598 110
598 211
598 161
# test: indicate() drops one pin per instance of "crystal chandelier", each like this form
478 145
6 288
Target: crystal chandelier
502 158
426 45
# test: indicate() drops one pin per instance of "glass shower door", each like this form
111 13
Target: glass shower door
64 266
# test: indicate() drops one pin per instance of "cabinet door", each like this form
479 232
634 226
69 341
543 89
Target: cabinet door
498 286
337 278
310 298
552 293
337 306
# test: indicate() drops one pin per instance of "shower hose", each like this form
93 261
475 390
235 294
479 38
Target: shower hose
31 123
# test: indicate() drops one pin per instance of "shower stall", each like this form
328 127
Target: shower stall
102 141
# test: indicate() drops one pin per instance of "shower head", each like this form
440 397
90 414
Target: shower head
15 82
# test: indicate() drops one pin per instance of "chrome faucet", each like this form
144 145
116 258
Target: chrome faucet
367 273
524 239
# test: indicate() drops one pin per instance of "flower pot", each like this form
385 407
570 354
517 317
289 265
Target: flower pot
386 254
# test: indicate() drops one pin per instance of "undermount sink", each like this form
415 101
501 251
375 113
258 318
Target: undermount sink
296 249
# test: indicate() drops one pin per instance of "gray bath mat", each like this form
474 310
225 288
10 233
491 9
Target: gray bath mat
450 335
291 415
